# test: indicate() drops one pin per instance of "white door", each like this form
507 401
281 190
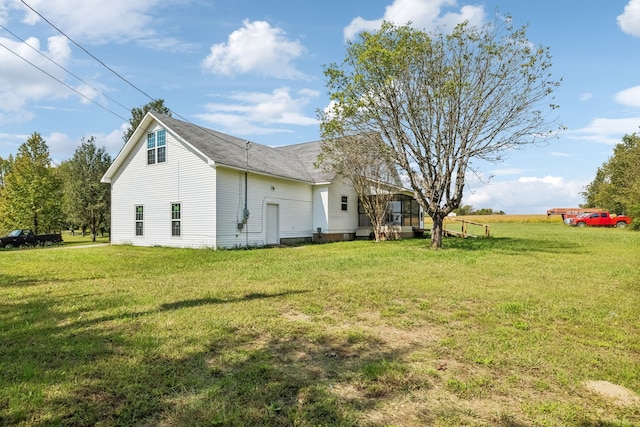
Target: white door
273 224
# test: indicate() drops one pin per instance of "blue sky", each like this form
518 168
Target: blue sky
253 69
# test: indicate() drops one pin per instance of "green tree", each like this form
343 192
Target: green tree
442 101
616 186
5 168
32 194
137 114
464 210
87 200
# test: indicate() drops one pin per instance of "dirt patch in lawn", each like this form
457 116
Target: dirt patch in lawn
621 395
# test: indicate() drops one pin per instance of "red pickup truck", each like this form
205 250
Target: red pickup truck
600 219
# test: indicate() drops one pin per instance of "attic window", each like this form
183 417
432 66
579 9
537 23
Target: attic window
157 147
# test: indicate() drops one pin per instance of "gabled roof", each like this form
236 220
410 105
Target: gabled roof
293 162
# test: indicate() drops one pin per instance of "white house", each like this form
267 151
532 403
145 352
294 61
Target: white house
178 184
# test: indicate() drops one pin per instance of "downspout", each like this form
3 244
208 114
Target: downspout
245 214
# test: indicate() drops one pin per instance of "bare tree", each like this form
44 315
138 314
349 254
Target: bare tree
440 101
363 159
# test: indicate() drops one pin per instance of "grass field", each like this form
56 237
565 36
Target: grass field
504 331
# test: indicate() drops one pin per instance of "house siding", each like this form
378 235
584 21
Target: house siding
321 208
184 178
342 221
293 198
204 173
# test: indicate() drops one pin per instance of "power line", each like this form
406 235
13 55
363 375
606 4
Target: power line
88 53
61 67
63 83
96 59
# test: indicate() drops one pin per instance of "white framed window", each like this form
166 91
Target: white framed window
157 147
139 209
176 219
344 203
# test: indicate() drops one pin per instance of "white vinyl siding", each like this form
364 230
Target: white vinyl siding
321 208
342 221
211 200
185 176
293 200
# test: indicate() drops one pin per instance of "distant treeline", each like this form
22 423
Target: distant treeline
469 210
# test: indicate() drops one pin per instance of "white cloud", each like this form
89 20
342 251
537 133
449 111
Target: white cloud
62 146
112 141
21 82
28 77
629 21
166 44
31 74
261 113
629 97
97 21
606 131
526 195
9 143
473 14
423 14
256 48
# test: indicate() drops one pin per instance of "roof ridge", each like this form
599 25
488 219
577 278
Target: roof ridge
229 150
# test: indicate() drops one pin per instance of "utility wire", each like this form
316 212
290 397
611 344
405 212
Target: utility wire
101 63
63 83
89 53
98 60
61 67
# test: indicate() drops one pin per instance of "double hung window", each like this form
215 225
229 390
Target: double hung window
139 220
157 147
176 219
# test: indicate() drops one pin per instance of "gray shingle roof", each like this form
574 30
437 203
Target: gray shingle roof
308 153
294 162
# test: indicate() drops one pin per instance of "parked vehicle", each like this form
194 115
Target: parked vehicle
600 219
26 237
568 213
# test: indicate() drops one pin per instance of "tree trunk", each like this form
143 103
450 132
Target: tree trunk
377 232
436 231
94 229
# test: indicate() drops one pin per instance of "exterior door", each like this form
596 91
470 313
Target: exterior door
273 224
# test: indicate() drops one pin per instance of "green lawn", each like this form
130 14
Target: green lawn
502 331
